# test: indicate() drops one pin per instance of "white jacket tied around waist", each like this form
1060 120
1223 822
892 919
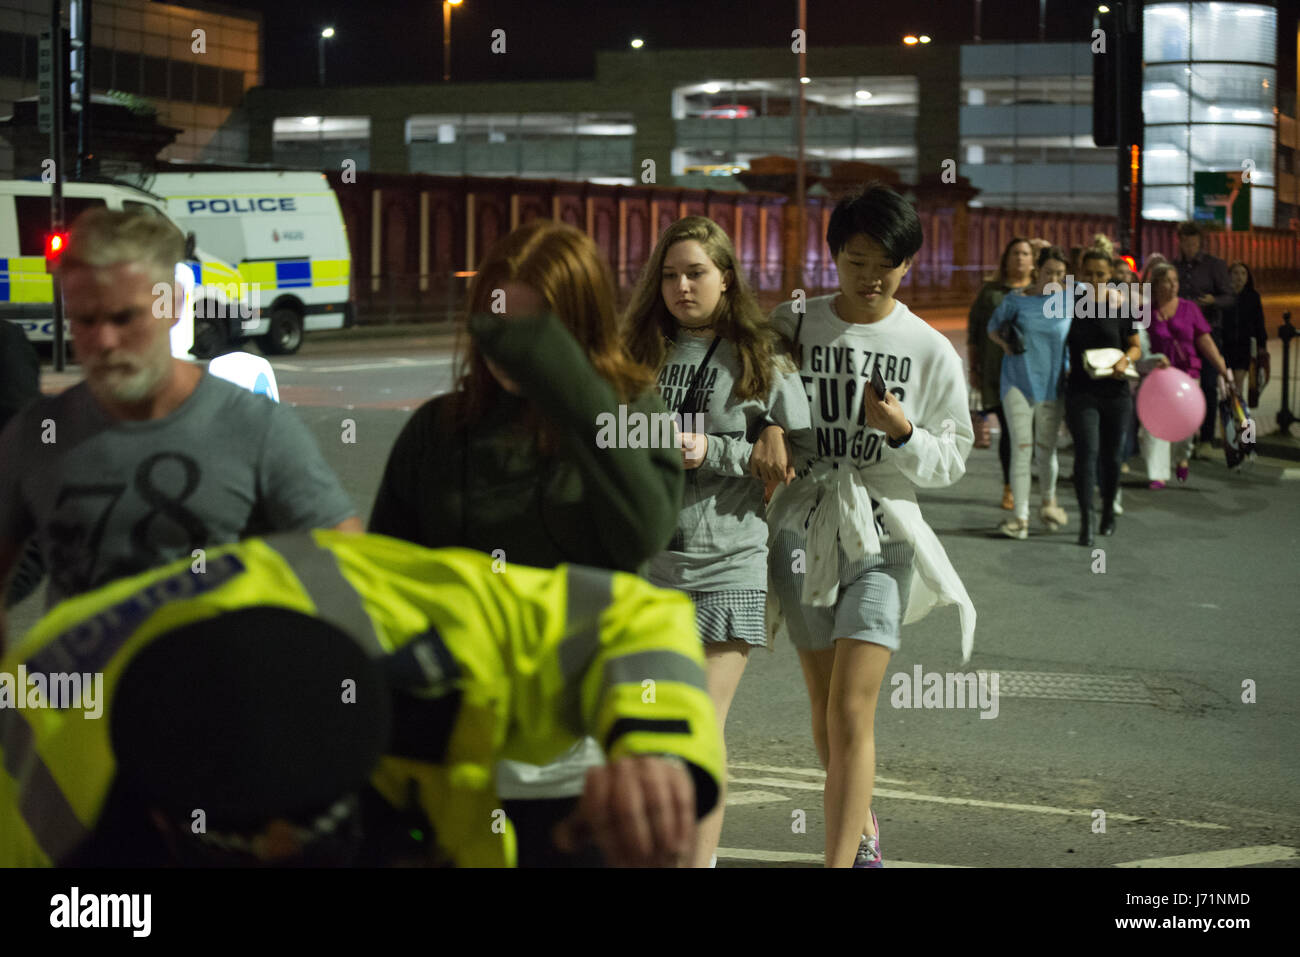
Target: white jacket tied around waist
836 504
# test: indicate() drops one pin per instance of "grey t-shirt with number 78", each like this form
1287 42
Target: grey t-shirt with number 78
108 499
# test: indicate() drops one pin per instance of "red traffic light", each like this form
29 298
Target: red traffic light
54 244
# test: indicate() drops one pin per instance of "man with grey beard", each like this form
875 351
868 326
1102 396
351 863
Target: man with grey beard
150 458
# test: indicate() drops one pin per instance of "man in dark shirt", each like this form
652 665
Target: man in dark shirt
1203 279
20 371
20 383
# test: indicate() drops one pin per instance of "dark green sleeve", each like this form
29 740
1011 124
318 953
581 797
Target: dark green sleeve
394 508
634 494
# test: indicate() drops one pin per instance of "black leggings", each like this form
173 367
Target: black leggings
1004 444
1098 425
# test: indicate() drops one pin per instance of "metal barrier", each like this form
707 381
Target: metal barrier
1286 332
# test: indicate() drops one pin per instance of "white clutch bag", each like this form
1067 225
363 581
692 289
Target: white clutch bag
1100 363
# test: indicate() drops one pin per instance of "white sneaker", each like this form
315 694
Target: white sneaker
1014 529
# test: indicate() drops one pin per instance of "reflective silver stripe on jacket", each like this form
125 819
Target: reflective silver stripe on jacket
336 601
41 803
590 592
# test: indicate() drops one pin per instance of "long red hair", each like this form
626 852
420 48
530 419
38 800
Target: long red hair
565 268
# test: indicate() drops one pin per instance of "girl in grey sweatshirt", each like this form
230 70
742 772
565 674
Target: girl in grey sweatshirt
694 320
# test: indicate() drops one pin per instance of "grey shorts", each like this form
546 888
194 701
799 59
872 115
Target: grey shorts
873 594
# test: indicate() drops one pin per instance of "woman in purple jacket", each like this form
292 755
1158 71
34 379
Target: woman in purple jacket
1180 333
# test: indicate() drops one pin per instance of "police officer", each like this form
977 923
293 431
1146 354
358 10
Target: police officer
475 666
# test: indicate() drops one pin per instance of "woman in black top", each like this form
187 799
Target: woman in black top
1015 272
1241 324
1097 410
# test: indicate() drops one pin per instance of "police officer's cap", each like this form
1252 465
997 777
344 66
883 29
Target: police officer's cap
253 714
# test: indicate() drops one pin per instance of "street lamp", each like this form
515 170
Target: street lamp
637 43
446 37
325 34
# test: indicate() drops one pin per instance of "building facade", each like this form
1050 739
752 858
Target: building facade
194 63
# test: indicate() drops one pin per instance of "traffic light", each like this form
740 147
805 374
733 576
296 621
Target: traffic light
54 246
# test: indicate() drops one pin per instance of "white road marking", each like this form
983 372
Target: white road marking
1233 857
754 797
806 772
397 363
800 857
772 782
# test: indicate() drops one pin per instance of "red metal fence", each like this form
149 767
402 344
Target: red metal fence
415 238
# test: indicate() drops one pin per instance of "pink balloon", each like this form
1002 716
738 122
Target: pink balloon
1170 404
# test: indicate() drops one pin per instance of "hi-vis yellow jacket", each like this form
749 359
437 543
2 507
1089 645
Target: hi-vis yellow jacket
539 658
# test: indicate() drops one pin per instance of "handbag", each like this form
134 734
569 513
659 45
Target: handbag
1100 363
1009 332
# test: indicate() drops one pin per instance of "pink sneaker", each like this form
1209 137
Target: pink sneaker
1156 484
869 848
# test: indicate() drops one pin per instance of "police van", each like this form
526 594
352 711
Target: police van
26 286
284 232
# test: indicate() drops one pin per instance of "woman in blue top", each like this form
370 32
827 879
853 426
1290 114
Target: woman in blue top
1031 389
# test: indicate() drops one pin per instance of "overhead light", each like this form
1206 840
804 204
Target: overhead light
1251 12
1103 9
712 88
637 43
863 94
1166 93
327 32
804 79
924 39
1247 114
311 121
910 40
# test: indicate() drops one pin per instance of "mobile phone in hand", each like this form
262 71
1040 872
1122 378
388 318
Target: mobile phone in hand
878 383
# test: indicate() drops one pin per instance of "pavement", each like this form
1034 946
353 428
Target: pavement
1146 713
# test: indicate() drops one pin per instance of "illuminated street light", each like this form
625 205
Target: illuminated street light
638 43
326 34
804 79
911 40
863 94
446 37
924 38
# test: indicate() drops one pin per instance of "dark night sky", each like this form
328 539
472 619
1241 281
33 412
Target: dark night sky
396 41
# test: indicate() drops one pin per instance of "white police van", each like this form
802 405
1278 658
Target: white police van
284 232
27 288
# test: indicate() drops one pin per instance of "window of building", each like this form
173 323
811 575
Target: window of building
11 54
182 80
587 146
232 87
207 85
155 77
126 72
